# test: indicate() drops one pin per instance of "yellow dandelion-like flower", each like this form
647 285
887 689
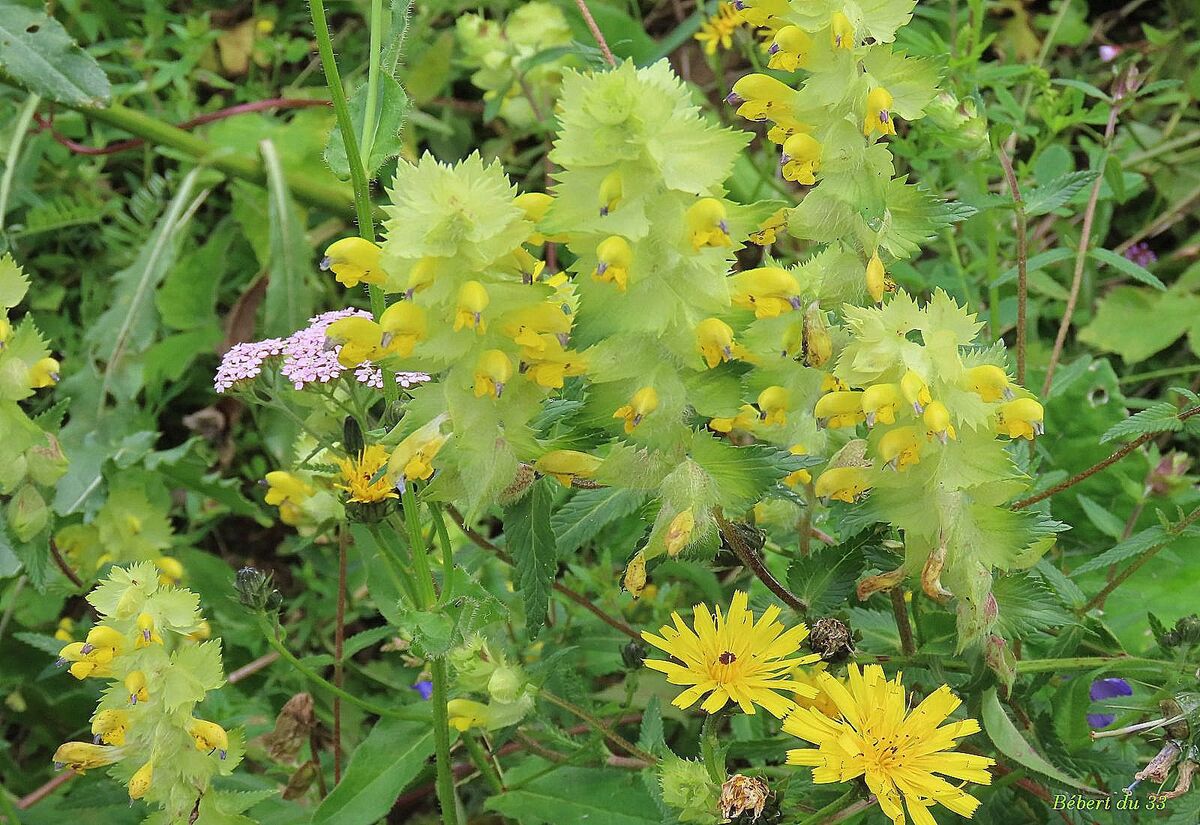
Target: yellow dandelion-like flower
717 31
733 657
361 476
898 753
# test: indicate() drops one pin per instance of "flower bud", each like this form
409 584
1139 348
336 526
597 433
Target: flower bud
1000 660
255 592
635 575
46 462
632 654
831 639
27 513
139 783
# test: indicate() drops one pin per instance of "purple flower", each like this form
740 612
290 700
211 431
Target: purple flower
425 688
1141 254
1102 689
1108 53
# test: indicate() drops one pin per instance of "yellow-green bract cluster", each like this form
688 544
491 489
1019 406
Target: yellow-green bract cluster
933 408
31 459
145 725
640 195
507 58
840 88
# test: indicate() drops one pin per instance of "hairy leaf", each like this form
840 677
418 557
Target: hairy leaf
532 545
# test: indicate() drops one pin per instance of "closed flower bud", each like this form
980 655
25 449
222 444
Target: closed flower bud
254 589
878 282
139 783
612 192
567 465
679 532
634 579
831 639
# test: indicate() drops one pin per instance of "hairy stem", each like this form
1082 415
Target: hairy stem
900 609
754 564
596 33
600 727
1022 261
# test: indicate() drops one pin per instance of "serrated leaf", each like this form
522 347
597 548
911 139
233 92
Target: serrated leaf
37 52
382 766
588 512
1009 741
1133 546
1103 519
650 737
1042 259
1055 193
194 671
1127 267
532 546
1026 606
740 474
1162 417
826 577
363 640
14 283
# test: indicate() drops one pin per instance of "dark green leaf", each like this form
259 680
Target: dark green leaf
588 512
1056 193
39 54
531 543
391 756
1127 267
288 302
1026 606
1159 418
1133 546
1042 259
391 108
579 796
1009 741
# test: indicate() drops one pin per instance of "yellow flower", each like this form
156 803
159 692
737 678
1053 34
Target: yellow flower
614 257
147 634
679 532
361 476
879 113
643 402
733 658
915 391
715 338
612 191
706 224
842 483
718 30
44 373
797 477
768 229
989 382
841 32
83 756
801 158
527 325
135 686
472 301
139 783
880 403
768 290
492 371
878 282
789 49
535 205
110 727
466 714
762 97
831 383
170 571
209 736
5 330
399 329
412 458
423 274
65 627
354 261
283 486
761 12
773 404
839 409
785 126
634 579
900 448
553 364
896 751
1020 418
746 419
937 421
567 465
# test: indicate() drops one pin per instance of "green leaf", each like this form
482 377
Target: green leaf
1009 741
579 796
826 577
1042 259
1103 519
1128 267
1086 88
1056 193
194 672
1133 546
382 766
1159 418
531 543
740 475
1136 323
13 282
391 109
1071 703
1026 606
288 302
588 512
650 737
37 52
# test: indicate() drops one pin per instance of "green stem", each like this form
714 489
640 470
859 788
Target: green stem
832 808
441 742
273 640
358 173
420 555
24 118
443 535
368 132
482 761
710 748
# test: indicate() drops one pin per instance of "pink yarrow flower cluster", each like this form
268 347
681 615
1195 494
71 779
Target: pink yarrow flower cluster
308 358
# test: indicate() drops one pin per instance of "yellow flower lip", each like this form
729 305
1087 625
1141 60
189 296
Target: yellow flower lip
353 261
842 484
